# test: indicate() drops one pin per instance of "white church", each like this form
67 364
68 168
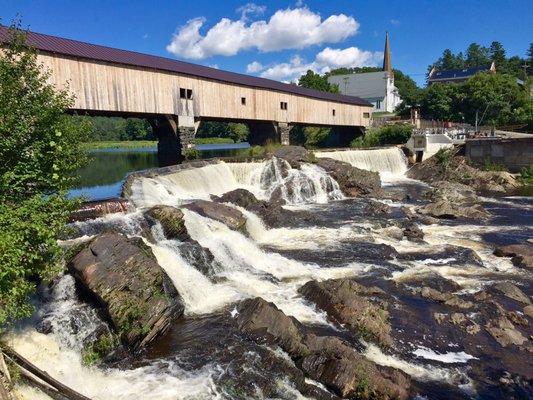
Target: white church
375 87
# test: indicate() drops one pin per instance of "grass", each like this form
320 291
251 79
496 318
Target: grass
119 144
213 140
489 165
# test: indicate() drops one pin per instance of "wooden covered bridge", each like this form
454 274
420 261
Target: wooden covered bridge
175 96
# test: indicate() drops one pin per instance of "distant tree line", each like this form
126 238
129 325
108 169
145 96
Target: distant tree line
116 128
237 132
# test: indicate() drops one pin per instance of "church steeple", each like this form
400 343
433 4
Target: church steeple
387 66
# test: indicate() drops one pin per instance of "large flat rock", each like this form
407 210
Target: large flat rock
124 277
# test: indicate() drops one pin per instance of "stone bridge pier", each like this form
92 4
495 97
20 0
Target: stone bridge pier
265 131
175 136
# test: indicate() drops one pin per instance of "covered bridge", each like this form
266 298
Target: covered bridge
175 96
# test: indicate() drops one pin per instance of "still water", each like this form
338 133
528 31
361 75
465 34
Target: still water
103 176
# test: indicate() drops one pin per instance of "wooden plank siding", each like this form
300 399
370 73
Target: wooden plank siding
107 87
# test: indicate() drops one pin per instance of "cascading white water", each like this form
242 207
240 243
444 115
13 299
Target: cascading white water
305 185
388 160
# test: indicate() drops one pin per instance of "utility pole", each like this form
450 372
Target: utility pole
525 67
475 131
345 79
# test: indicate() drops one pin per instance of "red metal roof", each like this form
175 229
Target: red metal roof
74 48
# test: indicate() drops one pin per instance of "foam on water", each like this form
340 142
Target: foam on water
446 358
308 184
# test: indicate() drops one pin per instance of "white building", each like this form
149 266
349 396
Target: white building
375 87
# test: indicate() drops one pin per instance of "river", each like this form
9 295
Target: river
202 356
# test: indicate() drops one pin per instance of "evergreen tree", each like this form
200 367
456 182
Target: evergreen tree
476 56
497 54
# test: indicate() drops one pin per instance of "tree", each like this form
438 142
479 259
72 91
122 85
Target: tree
312 80
497 54
496 97
476 56
530 53
440 102
40 151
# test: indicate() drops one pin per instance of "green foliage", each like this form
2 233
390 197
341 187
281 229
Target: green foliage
444 157
192 154
387 135
526 175
312 80
236 132
40 150
311 137
99 349
256 151
489 165
442 102
214 140
116 128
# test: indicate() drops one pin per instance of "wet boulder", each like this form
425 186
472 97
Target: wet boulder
294 155
498 323
271 212
229 216
265 322
325 359
171 219
451 200
349 374
374 207
521 254
444 209
123 276
449 299
412 231
354 182
347 303
511 291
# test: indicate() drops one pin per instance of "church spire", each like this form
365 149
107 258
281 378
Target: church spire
386 56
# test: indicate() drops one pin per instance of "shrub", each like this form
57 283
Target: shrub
489 165
192 154
40 150
387 135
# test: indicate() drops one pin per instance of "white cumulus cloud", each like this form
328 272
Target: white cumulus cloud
250 9
324 61
296 28
254 67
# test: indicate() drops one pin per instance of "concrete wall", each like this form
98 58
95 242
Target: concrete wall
515 153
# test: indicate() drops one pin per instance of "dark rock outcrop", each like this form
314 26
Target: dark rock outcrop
171 219
265 322
522 254
354 182
350 374
271 212
412 232
229 216
294 155
451 200
123 276
346 302
327 359
455 168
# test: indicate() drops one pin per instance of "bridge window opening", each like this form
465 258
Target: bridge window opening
183 93
243 101
283 105
333 112
366 115
189 94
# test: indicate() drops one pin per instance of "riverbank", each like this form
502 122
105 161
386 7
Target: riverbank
140 144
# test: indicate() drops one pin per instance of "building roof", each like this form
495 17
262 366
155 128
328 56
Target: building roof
73 48
367 85
454 74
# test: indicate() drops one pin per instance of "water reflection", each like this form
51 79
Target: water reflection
103 176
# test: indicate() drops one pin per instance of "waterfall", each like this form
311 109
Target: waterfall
309 184
388 160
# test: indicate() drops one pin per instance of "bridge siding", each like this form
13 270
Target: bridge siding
103 86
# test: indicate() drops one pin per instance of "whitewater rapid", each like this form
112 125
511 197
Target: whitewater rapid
244 265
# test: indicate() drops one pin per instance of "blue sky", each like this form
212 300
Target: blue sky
281 39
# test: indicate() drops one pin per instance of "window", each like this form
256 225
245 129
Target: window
333 112
283 105
243 101
185 93
378 104
366 115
